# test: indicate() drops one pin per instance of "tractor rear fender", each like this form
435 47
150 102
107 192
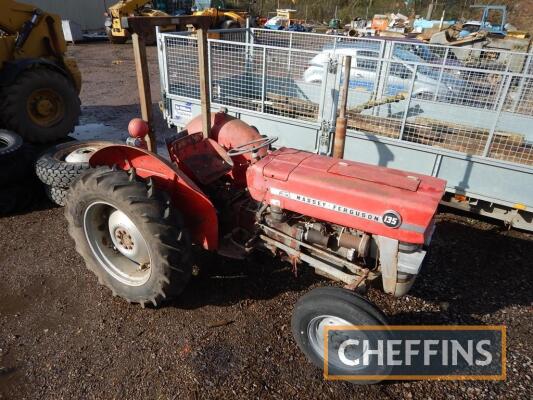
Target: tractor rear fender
197 210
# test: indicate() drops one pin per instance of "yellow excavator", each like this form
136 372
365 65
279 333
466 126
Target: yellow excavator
116 33
39 84
222 18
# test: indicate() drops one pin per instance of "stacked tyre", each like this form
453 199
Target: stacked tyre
18 186
60 166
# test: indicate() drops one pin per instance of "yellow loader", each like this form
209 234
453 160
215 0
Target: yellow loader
39 84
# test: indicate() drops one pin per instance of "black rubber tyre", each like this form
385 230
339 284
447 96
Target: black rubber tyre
10 143
16 114
151 212
53 170
56 195
336 302
115 39
17 167
17 197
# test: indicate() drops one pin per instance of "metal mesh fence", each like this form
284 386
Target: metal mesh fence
182 66
474 101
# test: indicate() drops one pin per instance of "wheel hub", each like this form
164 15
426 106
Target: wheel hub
124 239
45 107
127 238
316 333
83 154
117 244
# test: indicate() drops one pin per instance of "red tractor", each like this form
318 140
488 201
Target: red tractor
135 217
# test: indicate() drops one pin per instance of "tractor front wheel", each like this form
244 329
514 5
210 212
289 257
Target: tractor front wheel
129 235
329 307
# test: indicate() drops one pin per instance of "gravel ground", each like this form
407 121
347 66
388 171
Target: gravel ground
228 336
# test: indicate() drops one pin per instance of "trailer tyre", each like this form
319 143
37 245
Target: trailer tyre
57 195
129 235
330 306
18 196
41 105
54 167
17 166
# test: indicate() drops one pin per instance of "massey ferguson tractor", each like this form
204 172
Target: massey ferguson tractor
135 217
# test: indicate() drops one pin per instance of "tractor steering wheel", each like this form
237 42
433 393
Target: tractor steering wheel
255 145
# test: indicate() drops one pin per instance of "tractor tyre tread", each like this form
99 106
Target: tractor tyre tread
153 214
14 99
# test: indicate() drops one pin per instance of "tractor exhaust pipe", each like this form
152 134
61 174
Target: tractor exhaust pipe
340 125
203 64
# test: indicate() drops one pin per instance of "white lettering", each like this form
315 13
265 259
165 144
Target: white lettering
468 355
369 352
391 352
483 352
342 350
409 352
428 352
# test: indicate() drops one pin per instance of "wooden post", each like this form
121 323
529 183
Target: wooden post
340 124
203 65
143 81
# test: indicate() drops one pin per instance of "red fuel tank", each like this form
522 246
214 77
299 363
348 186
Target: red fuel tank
377 200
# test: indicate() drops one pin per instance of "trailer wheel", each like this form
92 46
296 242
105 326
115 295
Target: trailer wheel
41 105
57 195
61 165
330 306
129 235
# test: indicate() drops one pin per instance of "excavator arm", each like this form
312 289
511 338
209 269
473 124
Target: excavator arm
126 8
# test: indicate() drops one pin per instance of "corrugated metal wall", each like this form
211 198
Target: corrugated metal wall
88 13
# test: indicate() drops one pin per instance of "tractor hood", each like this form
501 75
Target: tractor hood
374 199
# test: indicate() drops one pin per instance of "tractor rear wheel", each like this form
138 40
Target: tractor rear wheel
41 105
330 306
129 235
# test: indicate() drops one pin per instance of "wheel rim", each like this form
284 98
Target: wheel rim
83 154
45 107
316 334
117 244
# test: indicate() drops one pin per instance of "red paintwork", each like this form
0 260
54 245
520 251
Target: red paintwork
197 210
348 184
203 160
230 132
138 128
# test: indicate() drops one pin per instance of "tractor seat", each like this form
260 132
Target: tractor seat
203 160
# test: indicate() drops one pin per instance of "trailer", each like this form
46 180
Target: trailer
410 106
